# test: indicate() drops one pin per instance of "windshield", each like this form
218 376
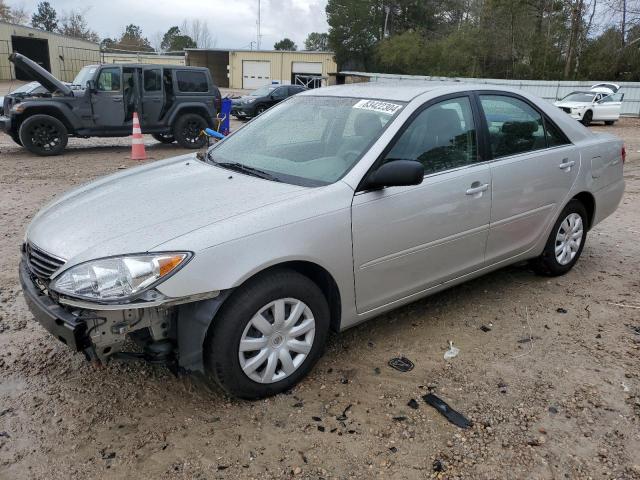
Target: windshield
261 92
308 140
84 76
579 97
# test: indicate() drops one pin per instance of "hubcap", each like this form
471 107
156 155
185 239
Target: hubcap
277 340
569 238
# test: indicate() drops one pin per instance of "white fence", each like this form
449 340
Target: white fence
550 90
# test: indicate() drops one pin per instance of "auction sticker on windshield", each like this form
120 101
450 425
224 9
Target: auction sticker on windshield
378 106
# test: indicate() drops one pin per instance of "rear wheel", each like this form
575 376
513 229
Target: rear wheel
268 335
565 242
609 122
587 118
43 135
164 137
187 131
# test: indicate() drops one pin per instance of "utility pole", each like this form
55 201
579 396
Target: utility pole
258 23
624 21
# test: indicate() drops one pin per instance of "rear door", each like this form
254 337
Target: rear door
533 171
408 239
152 96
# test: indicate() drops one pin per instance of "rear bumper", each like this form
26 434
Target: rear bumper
5 124
56 320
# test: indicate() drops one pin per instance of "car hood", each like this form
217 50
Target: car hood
243 99
572 104
39 74
137 210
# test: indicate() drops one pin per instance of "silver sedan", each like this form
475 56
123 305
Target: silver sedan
333 207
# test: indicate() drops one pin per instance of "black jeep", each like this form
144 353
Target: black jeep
172 102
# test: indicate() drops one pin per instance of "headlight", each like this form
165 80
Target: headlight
19 108
118 278
249 100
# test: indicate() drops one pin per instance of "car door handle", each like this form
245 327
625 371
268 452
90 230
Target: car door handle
476 189
566 164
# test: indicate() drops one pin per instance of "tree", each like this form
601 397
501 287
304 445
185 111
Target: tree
133 40
285 44
317 42
74 24
45 17
175 41
17 15
199 32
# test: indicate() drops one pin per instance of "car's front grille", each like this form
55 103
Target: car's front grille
41 263
566 109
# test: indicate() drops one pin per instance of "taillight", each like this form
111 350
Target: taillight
217 101
624 154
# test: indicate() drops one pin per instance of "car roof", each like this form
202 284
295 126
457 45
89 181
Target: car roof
140 65
390 91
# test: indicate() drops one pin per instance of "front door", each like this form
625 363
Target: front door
152 97
534 168
408 239
107 100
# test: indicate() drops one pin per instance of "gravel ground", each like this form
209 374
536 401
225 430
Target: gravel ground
553 388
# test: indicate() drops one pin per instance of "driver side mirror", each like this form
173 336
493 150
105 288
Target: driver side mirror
91 86
397 173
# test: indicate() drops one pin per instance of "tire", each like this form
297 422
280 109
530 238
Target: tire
259 110
16 138
549 263
222 356
587 118
43 135
609 122
164 137
187 130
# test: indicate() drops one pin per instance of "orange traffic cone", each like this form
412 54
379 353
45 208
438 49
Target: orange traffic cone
137 145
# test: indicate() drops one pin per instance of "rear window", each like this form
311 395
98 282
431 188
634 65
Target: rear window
152 80
189 81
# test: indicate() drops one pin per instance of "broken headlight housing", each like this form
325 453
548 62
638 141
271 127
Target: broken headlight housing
117 279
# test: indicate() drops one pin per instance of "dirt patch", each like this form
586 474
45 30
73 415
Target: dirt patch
550 394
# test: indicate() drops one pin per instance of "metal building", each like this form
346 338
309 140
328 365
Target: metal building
141 57
61 55
249 69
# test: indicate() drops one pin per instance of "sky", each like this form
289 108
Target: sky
232 23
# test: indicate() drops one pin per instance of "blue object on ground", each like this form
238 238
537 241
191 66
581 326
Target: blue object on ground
225 114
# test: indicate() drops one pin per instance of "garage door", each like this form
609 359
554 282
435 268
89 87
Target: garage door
255 74
307 67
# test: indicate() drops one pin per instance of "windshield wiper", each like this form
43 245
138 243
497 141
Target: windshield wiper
240 167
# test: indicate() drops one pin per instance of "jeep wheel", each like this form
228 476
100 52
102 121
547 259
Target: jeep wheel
164 137
187 131
43 135
16 138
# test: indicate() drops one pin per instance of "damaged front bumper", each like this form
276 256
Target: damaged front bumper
102 332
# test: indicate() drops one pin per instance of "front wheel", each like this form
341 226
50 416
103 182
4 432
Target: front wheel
188 131
268 335
43 135
587 118
565 242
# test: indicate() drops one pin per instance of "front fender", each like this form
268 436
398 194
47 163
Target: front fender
60 111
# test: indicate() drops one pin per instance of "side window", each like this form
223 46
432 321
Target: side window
152 80
441 137
279 93
555 137
109 80
514 126
192 81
